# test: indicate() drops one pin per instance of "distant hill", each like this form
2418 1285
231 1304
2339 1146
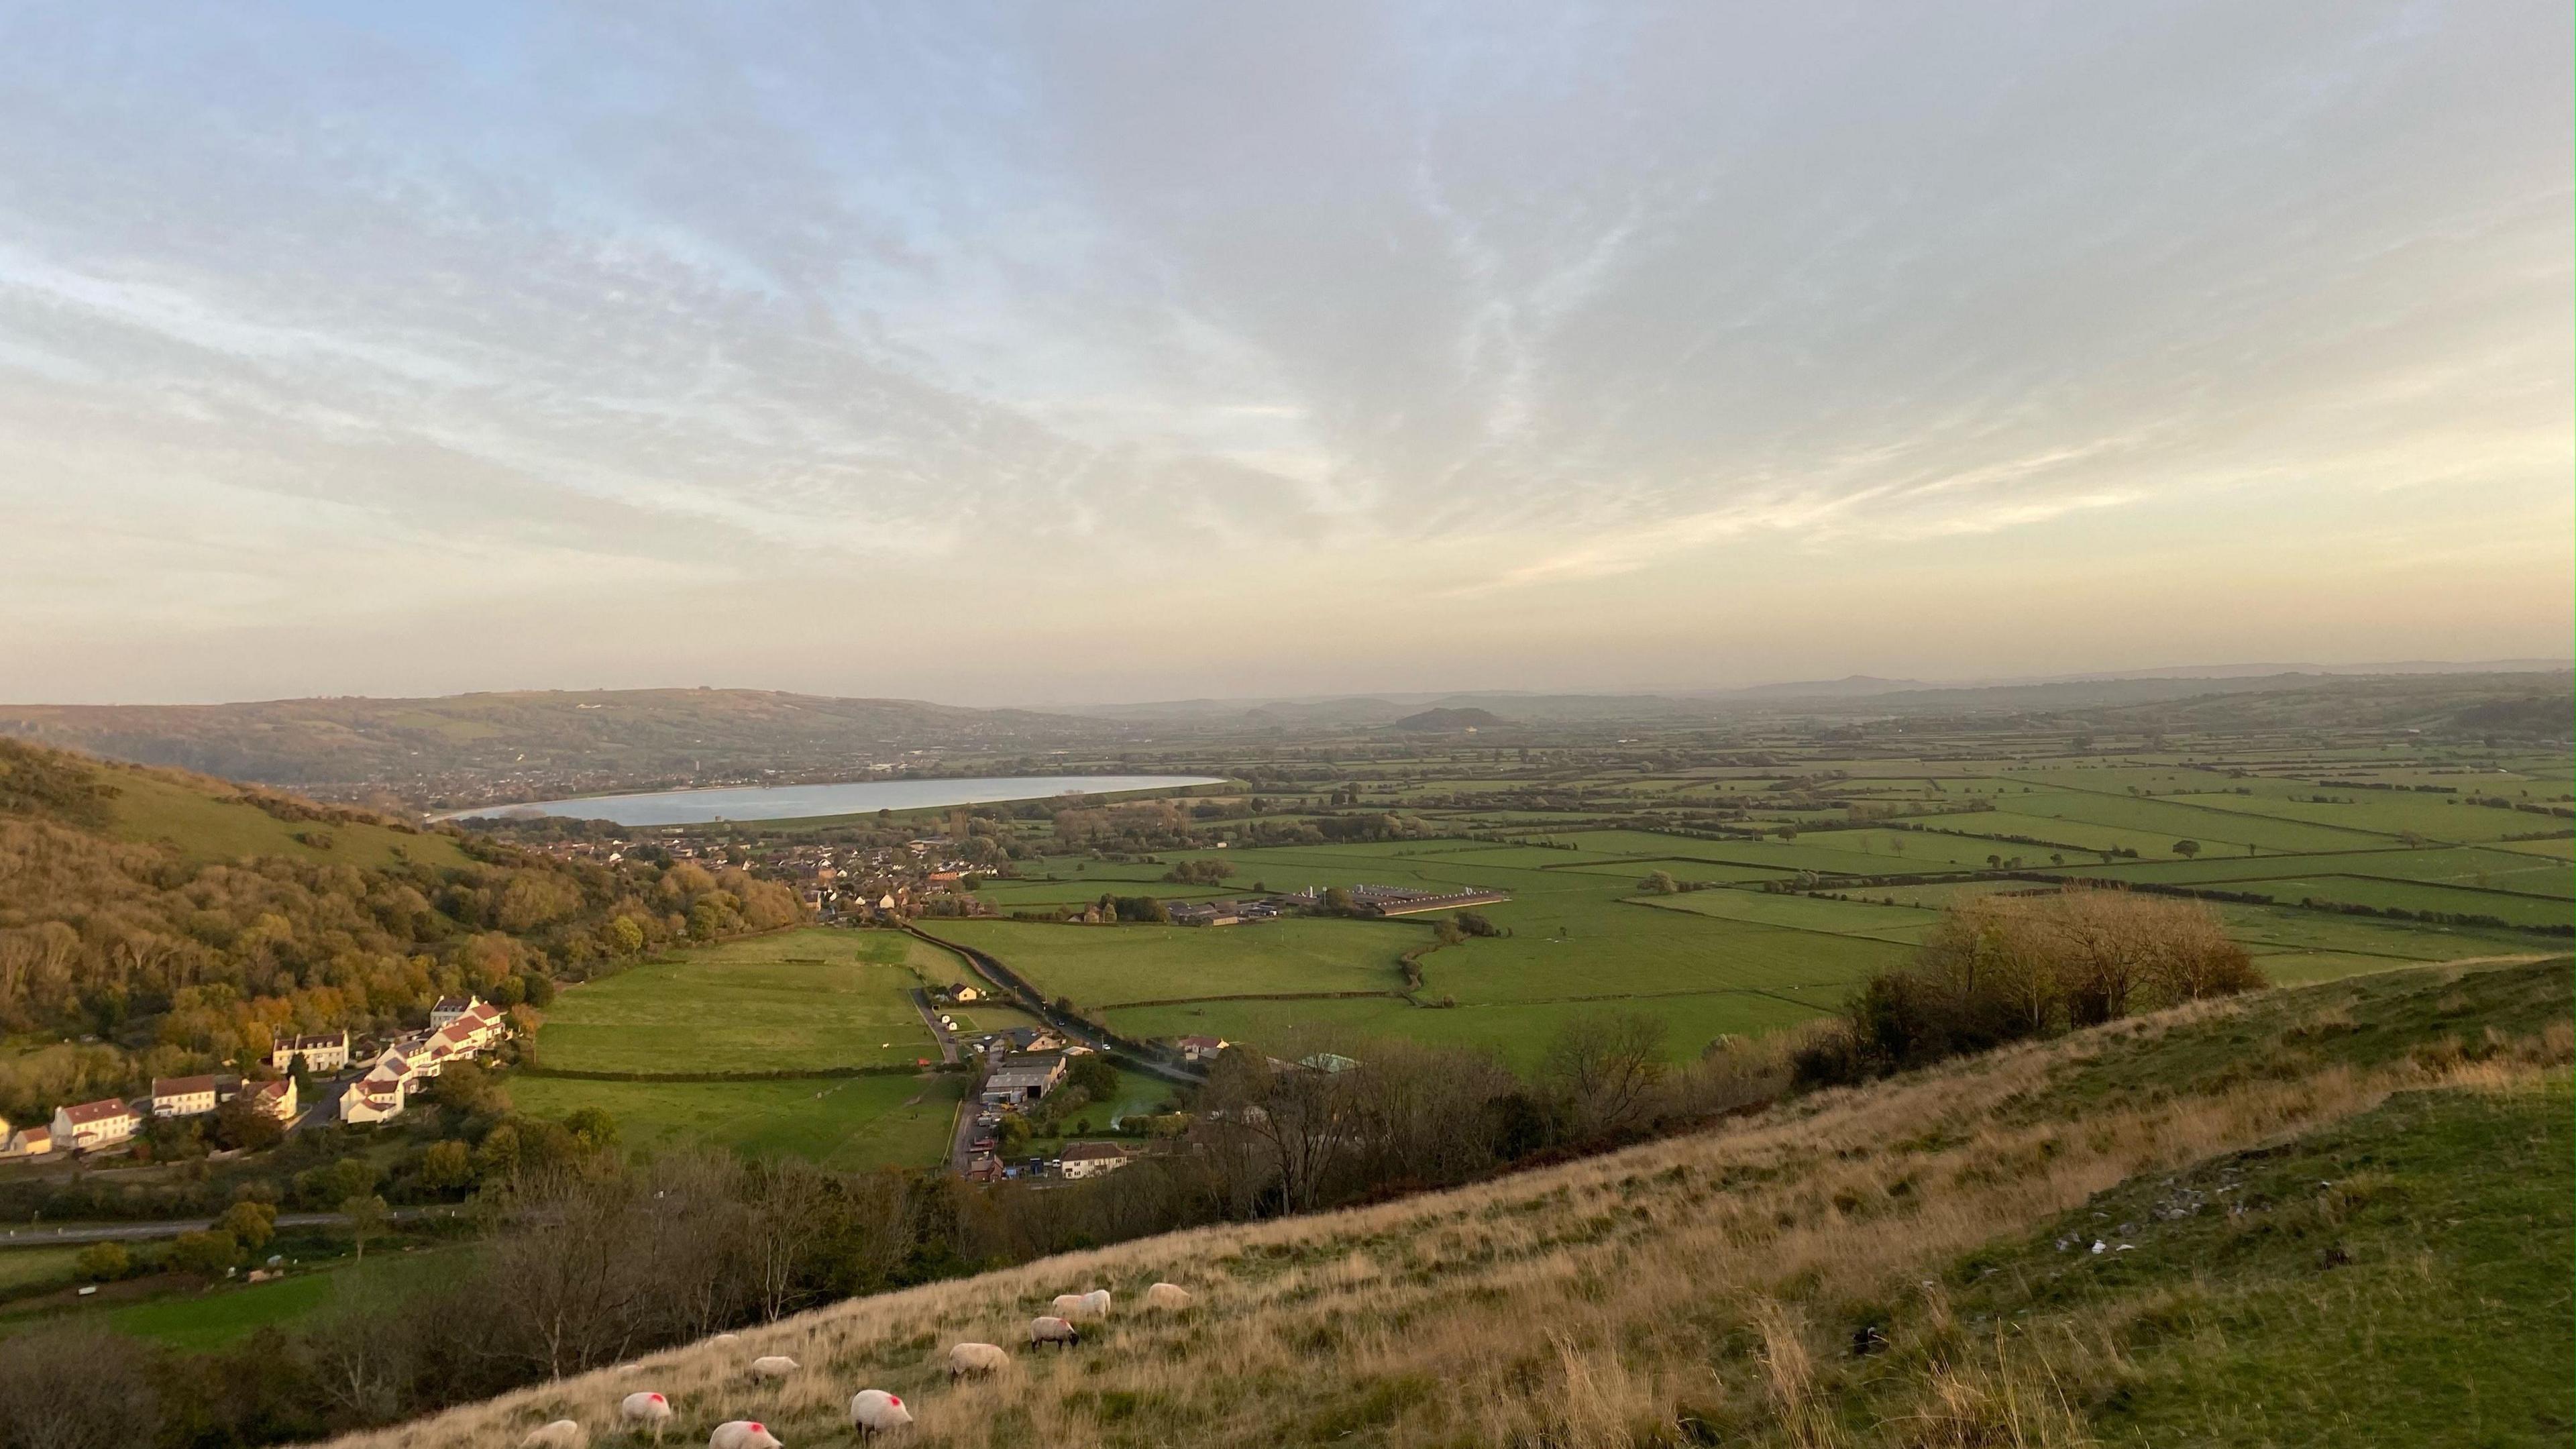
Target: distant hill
1450 721
609 736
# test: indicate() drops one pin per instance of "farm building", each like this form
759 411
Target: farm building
1022 1079
29 1142
182 1096
92 1125
1201 1048
1092 1159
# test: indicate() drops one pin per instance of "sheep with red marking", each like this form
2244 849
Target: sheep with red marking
1043 1331
976 1359
643 1411
874 1412
743 1434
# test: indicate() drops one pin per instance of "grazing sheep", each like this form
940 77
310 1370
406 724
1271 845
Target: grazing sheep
725 1338
976 1358
1068 1306
645 1411
1167 1295
773 1366
1096 1302
742 1434
874 1412
561 1434
1051 1330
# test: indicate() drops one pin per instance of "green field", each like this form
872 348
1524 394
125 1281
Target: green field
844 1122
1107 965
797 1000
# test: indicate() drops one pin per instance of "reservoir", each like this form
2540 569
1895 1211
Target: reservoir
800 802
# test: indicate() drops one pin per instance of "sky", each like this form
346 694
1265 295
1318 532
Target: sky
1062 353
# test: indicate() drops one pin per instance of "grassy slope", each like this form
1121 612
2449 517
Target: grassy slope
1713 1288
208 822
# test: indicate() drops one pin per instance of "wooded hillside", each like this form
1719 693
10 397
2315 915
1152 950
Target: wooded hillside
184 922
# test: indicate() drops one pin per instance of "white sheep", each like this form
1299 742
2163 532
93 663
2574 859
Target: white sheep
1051 1330
725 1338
743 1434
874 1412
1096 1302
976 1358
561 1434
1069 1306
1167 1295
773 1366
646 1410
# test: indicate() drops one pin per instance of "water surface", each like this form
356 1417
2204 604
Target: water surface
855 797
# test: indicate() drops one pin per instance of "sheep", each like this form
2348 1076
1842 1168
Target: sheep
1096 1302
561 1434
724 1338
1167 1295
645 1411
874 1412
1051 1330
742 1434
976 1358
1070 1306
773 1366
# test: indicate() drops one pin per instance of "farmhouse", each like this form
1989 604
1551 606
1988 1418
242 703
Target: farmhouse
92 1125
277 1099
1023 1079
319 1053
29 1142
374 1097
182 1096
1092 1159
1201 1048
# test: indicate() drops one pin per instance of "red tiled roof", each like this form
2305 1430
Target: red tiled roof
181 1086
98 1111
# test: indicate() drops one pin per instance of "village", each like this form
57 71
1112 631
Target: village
368 1085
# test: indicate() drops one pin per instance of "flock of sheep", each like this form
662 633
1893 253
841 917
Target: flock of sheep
872 1411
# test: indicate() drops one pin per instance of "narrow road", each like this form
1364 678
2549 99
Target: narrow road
938 1033
36 1235
1073 1028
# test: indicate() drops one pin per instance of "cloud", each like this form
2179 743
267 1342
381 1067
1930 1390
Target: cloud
1436 308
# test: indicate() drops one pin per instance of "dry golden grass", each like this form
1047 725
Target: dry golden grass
1669 1293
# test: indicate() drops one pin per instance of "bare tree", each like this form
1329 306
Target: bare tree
1604 1068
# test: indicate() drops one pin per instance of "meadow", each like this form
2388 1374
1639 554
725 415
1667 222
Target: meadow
812 1000
809 1000
882 1120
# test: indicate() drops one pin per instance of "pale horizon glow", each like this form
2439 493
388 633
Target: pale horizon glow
1062 354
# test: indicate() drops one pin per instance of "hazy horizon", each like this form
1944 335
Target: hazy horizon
1020 354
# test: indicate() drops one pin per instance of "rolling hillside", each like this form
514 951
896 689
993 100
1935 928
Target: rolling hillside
2337 1214
624 735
